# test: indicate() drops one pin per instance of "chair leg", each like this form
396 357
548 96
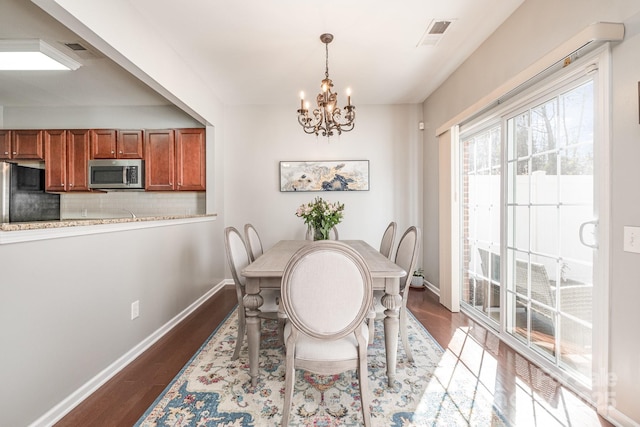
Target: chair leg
363 379
289 383
281 323
404 334
372 329
242 329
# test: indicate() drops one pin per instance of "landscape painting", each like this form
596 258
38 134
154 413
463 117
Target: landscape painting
347 175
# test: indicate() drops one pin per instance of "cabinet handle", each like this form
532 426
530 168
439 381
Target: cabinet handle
70 185
120 151
112 151
6 152
14 153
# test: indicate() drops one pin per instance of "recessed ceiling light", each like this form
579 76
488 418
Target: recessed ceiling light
33 54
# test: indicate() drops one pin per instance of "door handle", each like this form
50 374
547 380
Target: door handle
593 245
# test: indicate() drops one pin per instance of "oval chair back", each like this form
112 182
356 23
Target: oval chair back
253 241
388 239
326 294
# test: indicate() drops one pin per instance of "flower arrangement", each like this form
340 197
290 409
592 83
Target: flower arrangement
321 216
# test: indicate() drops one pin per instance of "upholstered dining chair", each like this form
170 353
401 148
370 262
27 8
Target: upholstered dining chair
388 238
333 233
327 295
406 258
238 258
253 241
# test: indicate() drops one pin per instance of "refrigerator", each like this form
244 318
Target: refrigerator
22 195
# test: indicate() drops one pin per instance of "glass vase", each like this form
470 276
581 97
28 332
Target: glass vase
317 234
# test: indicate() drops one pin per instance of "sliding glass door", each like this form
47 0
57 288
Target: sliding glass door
527 224
481 196
549 205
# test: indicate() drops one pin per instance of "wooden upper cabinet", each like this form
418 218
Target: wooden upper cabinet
175 160
103 144
190 159
66 157
116 144
129 144
77 160
5 144
159 164
21 145
55 160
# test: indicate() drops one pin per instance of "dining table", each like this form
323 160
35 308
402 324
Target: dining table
266 273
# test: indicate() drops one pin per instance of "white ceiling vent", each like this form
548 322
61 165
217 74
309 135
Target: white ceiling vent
82 50
434 32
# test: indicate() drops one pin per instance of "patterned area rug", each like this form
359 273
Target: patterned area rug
213 390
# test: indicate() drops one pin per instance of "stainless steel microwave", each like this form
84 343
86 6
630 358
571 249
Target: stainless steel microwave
116 173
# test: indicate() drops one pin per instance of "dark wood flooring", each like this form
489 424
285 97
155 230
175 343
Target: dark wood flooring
124 398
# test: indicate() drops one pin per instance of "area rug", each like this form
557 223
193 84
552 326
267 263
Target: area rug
213 390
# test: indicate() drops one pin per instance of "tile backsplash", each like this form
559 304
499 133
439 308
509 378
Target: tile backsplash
122 204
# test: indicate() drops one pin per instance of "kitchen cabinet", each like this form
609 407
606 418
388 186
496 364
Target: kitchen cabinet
190 159
21 145
159 163
66 157
116 144
5 144
175 160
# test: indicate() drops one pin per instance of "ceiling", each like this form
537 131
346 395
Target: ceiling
254 52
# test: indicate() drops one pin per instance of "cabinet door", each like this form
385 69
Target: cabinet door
77 160
55 160
5 144
159 155
27 144
103 144
190 159
130 144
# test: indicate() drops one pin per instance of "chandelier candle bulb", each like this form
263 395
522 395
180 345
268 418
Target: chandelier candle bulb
302 100
349 96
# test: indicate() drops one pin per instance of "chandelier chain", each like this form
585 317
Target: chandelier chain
326 73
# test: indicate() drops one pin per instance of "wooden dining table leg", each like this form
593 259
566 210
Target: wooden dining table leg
391 301
252 302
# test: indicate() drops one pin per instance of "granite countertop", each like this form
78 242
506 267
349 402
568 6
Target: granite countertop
39 225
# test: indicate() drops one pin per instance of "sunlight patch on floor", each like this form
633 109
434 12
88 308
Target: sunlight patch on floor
522 392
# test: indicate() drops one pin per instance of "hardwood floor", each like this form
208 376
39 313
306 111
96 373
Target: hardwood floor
521 392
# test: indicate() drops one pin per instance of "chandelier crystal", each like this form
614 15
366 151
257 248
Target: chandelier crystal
328 117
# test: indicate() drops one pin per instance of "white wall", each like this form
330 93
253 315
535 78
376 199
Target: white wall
533 30
258 138
65 305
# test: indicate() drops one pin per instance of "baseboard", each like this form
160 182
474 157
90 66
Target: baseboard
433 288
74 399
619 419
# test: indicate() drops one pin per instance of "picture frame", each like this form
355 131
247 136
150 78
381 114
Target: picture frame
324 175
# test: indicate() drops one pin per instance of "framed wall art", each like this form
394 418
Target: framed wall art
333 175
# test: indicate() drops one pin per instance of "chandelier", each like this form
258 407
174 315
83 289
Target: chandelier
328 117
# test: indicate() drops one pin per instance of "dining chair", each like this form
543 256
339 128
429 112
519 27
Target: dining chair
388 238
327 295
238 258
333 233
406 258
253 241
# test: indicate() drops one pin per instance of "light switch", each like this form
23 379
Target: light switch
632 239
